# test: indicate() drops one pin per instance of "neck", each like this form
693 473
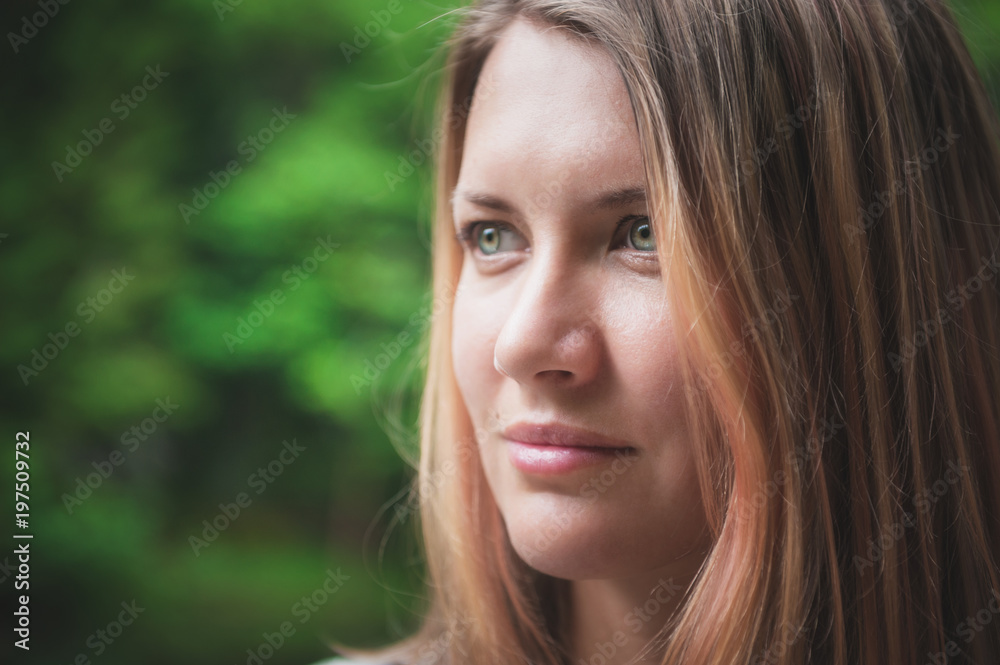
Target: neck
613 621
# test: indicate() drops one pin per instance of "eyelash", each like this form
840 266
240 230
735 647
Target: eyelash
467 233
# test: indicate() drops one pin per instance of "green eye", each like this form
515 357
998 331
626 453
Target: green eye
640 235
488 239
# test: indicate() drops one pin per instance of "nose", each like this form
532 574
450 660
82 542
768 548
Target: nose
550 334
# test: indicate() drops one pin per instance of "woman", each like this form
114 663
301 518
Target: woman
718 381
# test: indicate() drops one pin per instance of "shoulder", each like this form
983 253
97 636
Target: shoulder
396 654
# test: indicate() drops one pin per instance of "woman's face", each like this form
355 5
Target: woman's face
563 342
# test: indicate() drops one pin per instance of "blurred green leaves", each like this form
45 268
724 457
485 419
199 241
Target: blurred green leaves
116 202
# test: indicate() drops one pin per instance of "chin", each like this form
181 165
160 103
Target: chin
568 542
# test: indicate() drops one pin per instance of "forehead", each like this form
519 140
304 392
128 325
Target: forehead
553 101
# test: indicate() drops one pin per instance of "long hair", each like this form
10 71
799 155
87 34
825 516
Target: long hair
823 178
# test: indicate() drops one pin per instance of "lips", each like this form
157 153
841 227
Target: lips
557 449
560 435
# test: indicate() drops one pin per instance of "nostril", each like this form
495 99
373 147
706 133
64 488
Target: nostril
554 343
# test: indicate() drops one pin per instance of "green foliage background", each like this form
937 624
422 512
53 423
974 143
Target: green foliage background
358 116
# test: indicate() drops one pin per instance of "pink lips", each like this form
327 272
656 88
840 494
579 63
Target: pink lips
555 449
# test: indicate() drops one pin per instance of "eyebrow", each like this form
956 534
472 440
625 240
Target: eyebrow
615 198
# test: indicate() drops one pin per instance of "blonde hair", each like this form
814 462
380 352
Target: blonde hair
823 181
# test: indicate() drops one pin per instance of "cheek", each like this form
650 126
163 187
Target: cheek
475 327
643 346
473 340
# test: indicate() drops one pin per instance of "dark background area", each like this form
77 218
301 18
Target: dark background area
253 315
